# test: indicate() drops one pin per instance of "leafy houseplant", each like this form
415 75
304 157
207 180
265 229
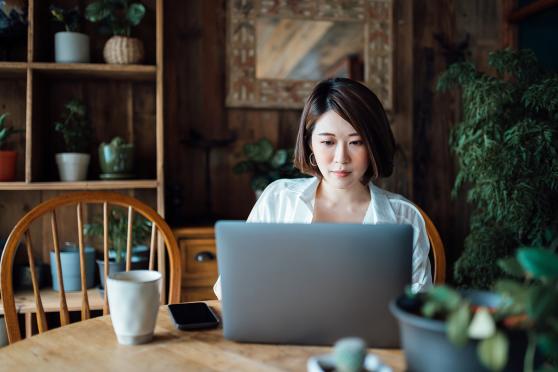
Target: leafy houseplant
507 149
70 46
118 234
266 164
13 28
526 312
76 131
7 158
117 17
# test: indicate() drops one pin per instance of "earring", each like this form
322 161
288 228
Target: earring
314 164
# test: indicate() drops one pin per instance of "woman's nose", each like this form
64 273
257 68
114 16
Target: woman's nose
341 154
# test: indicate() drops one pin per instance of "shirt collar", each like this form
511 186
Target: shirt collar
379 209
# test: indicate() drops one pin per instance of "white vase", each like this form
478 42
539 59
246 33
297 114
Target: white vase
71 47
134 300
72 166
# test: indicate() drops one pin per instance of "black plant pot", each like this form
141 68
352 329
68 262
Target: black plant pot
427 348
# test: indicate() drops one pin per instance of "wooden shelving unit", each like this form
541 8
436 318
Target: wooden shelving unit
122 100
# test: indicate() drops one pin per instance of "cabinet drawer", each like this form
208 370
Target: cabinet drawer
199 257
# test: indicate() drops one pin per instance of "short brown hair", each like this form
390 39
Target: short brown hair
360 107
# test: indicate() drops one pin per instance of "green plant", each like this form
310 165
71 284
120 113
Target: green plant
70 18
75 127
266 164
5 131
507 149
529 303
116 17
118 231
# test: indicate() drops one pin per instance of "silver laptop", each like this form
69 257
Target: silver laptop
311 284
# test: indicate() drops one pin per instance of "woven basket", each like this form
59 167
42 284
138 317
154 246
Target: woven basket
123 50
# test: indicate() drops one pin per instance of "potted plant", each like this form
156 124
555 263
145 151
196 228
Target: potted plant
70 46
71 269
118 235
117 17
8 158
13 28
116 159
500 330
76 131
506 146
266 164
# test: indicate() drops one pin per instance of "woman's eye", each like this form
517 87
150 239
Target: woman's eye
357 143
327 143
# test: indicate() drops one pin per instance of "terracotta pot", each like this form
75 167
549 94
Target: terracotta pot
7 165
123 50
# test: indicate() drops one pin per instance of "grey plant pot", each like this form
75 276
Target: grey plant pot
71 47
71 274
138 263
427 348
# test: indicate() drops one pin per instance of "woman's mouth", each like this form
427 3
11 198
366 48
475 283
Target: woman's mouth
341 174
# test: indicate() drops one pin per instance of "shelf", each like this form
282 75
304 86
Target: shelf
128 72
18 68
85 185
25 302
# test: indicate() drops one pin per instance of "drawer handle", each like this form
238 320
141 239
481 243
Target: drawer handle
204 256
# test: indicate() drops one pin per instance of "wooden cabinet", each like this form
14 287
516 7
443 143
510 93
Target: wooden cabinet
199 262
122 100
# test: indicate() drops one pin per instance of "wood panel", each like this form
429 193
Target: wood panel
422 120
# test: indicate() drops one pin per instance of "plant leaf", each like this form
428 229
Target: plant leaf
493 351
539 263
541 301
279 159
135 13
448 297
511 266
457 325
97 11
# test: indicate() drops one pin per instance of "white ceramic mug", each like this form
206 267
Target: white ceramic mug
134 300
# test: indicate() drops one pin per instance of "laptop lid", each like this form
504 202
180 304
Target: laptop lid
312 284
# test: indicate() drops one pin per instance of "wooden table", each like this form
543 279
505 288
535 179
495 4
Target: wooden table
91 346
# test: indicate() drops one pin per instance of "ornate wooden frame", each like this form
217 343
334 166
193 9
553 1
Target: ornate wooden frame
244 90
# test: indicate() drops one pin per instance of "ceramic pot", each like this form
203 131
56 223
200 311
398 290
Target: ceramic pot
71 47
123 50
71 274
427 347
8 161
72 166
116 159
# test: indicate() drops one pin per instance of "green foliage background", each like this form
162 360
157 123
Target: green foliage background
506 146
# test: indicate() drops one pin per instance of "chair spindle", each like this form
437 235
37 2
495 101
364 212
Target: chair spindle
129 240
64 313
41 318
85 312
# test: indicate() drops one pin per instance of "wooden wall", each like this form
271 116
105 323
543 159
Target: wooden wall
195 92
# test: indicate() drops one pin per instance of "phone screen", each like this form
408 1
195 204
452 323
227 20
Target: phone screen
193 315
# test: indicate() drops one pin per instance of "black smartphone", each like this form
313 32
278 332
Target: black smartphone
193 315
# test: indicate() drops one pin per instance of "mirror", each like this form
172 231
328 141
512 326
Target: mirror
293 49
278 50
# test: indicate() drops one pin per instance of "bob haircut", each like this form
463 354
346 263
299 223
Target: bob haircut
356 104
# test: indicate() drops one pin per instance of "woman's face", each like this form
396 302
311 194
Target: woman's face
340 151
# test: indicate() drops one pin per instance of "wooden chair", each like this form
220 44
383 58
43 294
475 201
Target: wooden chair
438 251
48 209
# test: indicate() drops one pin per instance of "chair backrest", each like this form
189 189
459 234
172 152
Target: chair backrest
48 209
438 251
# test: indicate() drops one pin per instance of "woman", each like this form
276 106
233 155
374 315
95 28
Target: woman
344 141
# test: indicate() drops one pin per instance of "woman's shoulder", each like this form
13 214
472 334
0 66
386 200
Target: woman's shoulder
401 206
296 185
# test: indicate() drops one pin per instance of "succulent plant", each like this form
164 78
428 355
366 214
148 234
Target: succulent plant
5 131
349 354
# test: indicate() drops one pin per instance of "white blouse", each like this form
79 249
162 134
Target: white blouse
292 201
